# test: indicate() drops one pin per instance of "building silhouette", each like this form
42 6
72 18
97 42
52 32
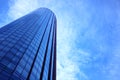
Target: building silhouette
28 47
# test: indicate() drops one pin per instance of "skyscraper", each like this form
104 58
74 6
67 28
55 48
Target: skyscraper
28 47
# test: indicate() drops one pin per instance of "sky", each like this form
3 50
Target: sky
88 35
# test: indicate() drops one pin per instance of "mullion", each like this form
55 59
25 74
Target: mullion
54 59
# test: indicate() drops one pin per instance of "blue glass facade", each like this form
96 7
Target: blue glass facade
28 47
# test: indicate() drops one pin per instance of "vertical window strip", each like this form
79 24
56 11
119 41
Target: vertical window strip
50 63
36 55
54 60
47 61
41 74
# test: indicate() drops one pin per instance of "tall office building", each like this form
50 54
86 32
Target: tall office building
28 47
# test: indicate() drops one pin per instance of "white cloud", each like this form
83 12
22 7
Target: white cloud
19 8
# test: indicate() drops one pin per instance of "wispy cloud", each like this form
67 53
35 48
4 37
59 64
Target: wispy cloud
18 8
